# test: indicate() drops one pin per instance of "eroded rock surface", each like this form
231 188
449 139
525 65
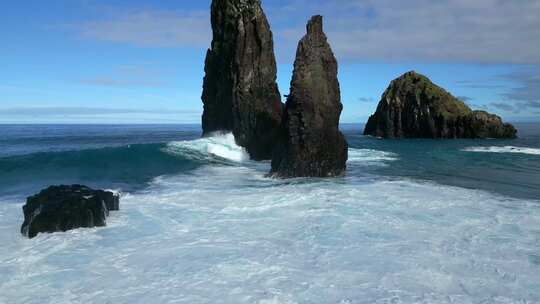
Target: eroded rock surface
63 208
310 143
240 93
414 107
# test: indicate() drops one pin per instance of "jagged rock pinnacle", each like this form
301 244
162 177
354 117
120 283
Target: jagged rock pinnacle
240 93
310 143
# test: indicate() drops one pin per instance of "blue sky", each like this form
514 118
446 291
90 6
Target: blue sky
119 61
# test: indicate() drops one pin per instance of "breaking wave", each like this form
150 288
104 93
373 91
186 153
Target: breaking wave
371 157
220 234
220 146
504 149
204 225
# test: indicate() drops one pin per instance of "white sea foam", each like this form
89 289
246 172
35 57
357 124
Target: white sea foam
504 149
223 234
371 157
221 145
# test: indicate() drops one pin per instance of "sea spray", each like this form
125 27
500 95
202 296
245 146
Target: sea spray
219 145
215 230
371 157
221 234
504 149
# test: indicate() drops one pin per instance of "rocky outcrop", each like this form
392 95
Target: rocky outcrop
414 107
481 124
63 208
310 143
240 93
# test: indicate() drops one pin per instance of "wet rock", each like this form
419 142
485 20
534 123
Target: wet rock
414 107
310 143
63 208
240 93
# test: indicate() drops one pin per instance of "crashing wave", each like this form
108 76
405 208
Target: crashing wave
504 149
370 156
219 229
220 145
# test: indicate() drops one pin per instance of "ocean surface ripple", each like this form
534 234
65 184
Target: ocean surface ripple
210 227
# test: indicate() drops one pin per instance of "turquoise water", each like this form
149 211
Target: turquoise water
508 167
413 221
131 156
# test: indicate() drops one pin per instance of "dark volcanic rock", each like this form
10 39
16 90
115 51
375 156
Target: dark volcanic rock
414 107
62 208
240 93
480 124
310 143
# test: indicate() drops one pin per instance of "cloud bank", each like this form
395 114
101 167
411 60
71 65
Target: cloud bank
422 31
464 31
87 111
97 114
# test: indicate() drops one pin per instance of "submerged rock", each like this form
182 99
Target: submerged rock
310 143
414 107
63 208
240 93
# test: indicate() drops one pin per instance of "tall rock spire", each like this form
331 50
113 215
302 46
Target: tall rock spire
310 143
240 92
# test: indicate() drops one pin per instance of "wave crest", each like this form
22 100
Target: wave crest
219 145
370 156
504 149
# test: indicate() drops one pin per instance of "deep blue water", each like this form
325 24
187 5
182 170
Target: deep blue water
413 221
113 156
130 156
501 168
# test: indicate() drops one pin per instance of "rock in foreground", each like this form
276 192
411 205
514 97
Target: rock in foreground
63 208
240 93
414 107
310 143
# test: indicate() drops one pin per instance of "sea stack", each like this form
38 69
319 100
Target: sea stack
414 107
240 93
310 143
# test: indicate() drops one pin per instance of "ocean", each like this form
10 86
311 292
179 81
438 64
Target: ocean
413 221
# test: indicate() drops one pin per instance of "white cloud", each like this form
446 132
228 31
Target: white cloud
527 89
479 31
97 114
458 31
87 111
152 28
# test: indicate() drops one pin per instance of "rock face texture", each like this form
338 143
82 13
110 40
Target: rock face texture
240 93
63 208
481 124
310 143
414 107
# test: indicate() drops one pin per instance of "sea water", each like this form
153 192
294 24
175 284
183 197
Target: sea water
412 221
